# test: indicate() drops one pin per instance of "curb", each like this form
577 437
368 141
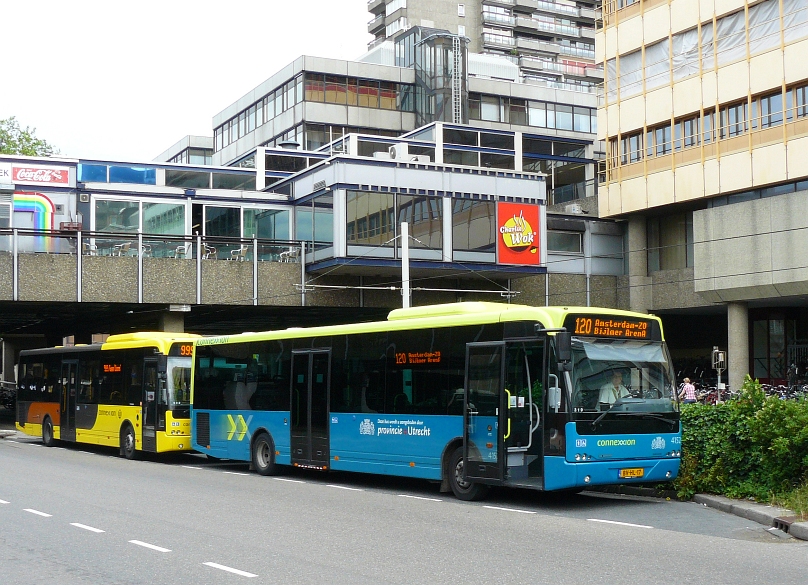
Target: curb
6 434
780 518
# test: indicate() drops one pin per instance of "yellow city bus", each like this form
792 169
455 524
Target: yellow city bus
130 392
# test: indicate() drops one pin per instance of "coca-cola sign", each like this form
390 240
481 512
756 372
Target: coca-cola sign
38 175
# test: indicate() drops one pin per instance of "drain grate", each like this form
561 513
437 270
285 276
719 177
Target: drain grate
784 522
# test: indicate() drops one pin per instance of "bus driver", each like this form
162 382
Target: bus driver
613 390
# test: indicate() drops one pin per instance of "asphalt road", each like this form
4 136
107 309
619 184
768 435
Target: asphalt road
79 515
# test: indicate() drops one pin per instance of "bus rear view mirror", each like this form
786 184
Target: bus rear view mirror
563 346
554 394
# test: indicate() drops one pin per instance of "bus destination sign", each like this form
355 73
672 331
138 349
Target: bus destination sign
182 349
613 326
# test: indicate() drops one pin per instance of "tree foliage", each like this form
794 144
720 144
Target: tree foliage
17 140
755 446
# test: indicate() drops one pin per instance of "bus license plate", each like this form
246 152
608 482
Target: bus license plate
632 472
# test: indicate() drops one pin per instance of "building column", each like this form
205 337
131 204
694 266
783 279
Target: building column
639 283
172 321
738 344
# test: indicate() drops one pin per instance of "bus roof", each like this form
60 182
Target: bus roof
159 339
443 315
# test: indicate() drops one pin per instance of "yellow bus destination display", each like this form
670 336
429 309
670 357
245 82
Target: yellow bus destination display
613 326
182 349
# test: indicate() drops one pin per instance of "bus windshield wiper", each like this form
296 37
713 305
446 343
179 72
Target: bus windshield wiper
652 416
600 418
648 415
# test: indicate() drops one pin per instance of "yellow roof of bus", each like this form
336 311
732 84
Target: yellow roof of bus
159 339
444 315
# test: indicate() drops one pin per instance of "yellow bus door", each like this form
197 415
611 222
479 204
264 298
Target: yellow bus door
149 404
67 407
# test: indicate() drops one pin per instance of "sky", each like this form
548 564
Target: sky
126 80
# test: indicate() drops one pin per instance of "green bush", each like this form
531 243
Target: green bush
752 447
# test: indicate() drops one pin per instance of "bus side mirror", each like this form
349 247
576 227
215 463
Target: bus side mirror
553 394
563 347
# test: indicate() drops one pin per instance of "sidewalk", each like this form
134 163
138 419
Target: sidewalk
779 518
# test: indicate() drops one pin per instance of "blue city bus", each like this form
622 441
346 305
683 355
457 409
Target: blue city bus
467 394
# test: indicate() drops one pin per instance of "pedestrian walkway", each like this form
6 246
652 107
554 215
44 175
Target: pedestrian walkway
780 518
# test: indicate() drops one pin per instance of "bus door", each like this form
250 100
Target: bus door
484 416
524 396
149 405
68 382
309 408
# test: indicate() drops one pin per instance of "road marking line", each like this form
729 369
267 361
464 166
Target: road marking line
85 527
619 523
230 569
191 467
151 546
37 512
4 502
419 498
509 509
234 473
342 487
289 480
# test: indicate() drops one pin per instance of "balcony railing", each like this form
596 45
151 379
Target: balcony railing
501 19
554 7
108 260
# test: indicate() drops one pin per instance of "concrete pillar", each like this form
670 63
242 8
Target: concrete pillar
172 321
738 344
639 292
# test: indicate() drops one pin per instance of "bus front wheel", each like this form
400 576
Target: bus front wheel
463 489
47 433
263 454
128 442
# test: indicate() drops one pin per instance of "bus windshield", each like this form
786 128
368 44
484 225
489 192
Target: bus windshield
178 381
621 376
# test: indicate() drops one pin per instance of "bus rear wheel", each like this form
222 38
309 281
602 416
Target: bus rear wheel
263 455
47 433
463 489
128 442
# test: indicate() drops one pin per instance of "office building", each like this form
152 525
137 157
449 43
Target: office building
551 41
705 114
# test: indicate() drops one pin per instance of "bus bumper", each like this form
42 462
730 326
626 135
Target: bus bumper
561 474
167 442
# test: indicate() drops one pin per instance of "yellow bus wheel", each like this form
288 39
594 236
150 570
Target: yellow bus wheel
128 442
47 433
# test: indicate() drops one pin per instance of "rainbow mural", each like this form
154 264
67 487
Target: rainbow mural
43 210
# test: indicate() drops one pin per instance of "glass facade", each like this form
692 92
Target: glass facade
474 225
370 218
314 221
493 108
164 218
425 218
314 87
117 216
222 221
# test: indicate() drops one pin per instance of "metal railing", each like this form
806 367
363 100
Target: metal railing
152 251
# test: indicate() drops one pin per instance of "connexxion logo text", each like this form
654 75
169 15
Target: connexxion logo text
616 442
